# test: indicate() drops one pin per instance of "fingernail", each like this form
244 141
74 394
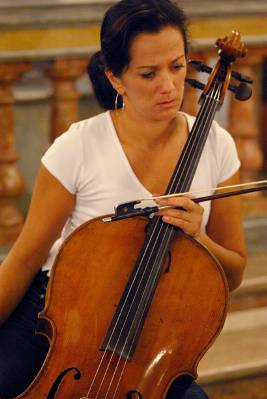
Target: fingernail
165 219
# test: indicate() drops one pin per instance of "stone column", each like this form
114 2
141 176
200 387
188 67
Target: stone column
64 74
11 181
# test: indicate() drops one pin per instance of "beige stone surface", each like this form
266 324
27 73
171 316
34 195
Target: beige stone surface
240 350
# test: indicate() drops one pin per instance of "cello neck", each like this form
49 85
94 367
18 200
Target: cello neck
186 167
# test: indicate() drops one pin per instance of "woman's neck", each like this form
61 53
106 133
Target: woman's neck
133 130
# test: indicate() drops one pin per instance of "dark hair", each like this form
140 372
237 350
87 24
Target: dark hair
121 23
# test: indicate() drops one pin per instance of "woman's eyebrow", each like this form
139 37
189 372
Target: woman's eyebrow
155 66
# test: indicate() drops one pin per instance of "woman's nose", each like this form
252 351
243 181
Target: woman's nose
167 83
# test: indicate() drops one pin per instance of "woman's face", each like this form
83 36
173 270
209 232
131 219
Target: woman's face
153 83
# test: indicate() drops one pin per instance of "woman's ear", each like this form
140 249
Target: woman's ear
115 81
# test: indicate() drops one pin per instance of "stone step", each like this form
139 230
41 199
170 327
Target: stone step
251 294
256 239
254 387
252 284
240 350
253 290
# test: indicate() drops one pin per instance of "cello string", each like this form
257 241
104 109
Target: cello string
104 355
197 142
211 111
215 94
170 228
125 364
130 347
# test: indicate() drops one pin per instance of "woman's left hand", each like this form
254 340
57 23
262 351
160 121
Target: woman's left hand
188 217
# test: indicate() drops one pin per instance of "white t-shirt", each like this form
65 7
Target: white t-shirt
89 161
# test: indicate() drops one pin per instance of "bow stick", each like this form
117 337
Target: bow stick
188 193
127 209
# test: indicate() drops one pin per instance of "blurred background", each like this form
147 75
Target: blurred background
45 46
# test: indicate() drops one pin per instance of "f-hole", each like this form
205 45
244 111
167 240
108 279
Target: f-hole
168 261
134 395
58 380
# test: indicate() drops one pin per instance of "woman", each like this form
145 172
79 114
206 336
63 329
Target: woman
117 156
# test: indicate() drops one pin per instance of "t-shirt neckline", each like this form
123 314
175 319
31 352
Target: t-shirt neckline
123 155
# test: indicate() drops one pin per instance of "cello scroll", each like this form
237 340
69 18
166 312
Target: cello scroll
230 48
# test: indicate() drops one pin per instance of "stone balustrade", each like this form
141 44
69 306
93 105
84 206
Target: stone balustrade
11 181
31 39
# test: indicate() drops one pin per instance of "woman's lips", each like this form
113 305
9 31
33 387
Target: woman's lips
167 104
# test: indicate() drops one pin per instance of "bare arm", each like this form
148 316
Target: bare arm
50 207
224 237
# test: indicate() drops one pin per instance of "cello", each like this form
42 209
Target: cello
125 324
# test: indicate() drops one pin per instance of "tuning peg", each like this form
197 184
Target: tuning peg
242 78
195 83
243 92
201 67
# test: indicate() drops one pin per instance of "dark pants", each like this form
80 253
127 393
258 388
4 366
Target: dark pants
194 391
22 352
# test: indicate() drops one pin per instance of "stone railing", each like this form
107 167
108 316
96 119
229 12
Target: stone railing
38 39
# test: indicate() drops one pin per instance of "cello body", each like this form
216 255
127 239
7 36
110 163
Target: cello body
88 278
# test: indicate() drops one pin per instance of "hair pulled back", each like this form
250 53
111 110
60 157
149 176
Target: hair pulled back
121 24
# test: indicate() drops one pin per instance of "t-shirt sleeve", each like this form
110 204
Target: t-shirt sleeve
64 159
227 156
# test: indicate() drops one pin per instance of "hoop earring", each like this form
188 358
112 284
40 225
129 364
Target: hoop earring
117 101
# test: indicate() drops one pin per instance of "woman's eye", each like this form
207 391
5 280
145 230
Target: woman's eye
178 66
148 75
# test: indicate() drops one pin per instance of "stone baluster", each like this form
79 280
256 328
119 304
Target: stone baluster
264 113
64 74
244 126
11 181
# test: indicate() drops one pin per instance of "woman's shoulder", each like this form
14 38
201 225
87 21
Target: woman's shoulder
92 124
78 137
83 132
